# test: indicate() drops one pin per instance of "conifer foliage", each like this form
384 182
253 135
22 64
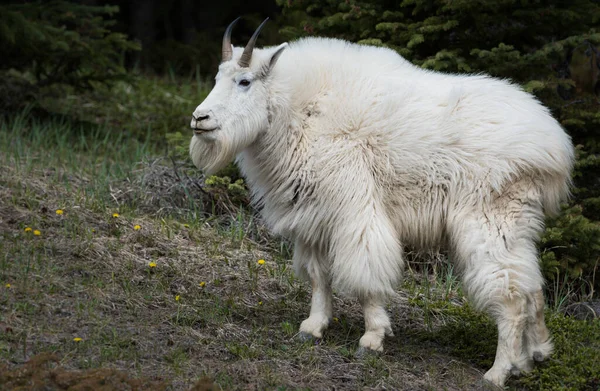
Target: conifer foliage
57 42
550 47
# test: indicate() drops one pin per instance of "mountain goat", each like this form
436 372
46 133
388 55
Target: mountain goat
355 153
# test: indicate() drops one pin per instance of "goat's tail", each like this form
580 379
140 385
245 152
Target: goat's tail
556 190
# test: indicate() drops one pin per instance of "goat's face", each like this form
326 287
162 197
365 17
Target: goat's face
236 105
237 109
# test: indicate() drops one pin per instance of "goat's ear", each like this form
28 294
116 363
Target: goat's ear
268 67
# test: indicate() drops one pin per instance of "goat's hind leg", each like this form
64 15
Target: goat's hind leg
501 274
511 317
537 336
499 291
321 309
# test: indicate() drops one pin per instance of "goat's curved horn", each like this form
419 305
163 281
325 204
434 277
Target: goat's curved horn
247 55
227 52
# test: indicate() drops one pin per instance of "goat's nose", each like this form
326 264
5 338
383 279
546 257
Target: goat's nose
203 121
201 115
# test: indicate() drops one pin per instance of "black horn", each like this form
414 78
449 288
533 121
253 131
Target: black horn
227 52
247 55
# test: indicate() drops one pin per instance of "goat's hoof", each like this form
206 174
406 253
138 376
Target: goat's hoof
514 371
525 366
363 352
372 341
542 351
304 337
496 376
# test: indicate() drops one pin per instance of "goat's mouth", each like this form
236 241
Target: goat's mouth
204 130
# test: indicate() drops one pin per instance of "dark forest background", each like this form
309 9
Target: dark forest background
187 33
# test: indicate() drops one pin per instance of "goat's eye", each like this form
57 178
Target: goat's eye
244 82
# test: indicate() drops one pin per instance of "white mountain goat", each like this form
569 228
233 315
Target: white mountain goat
354 153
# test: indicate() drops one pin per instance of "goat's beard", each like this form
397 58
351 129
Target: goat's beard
210 156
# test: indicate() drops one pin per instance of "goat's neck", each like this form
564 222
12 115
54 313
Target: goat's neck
275 159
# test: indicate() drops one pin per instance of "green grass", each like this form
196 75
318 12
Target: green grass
88 275
147 107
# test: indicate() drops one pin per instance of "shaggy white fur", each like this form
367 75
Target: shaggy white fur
355 153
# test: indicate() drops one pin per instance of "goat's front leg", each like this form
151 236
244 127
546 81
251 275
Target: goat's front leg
377 325
321 309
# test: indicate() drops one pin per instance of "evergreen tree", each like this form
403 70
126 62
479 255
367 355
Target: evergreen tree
57 42
550 47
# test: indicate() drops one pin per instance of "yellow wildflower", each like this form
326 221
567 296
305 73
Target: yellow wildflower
37 232
260 303
152 264
28 229
137 227
261 261
59 212
77 339
177 298
115 215
335 319
186 225
202 284
7 285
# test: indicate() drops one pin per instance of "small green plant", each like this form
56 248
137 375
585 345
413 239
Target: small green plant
288 328
571 252
222 187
